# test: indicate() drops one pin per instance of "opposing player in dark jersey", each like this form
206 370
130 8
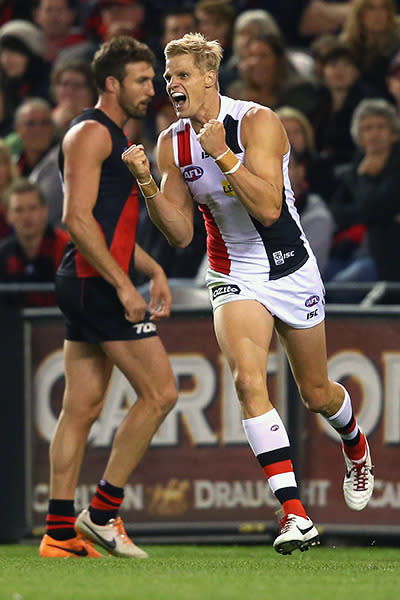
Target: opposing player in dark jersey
231 158
107 320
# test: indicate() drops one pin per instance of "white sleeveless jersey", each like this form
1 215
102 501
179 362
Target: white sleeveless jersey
238 244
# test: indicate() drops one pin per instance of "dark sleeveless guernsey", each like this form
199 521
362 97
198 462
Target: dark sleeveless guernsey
117 205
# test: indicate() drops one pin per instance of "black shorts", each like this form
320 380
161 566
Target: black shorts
93 312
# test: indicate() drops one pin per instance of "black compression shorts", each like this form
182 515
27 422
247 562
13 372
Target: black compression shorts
93 312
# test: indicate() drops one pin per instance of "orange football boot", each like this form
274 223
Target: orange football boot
77 547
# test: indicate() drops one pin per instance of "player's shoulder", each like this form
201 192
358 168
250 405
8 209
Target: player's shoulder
261 120
166 136
89 127
259 114
89 134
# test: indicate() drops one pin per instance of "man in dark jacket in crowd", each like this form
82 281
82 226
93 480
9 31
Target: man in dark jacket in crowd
368 197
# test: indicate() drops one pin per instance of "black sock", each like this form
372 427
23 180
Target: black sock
60 519
105 503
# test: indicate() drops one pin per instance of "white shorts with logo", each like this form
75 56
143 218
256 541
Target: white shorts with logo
297 299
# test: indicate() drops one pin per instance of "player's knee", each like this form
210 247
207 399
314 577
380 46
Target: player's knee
85 414
247 384
166 400
315 398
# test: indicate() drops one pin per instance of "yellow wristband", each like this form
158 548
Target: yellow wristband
234 169
146 182
149 189
227 161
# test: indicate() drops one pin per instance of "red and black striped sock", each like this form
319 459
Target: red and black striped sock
60 519
354 443
105 503
270 443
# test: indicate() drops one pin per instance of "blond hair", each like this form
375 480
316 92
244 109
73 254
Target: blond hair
288 112
353 30
207 55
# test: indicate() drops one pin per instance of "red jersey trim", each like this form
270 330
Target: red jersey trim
184 153
123 242
216 248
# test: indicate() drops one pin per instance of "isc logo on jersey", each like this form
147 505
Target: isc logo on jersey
191 174
280 257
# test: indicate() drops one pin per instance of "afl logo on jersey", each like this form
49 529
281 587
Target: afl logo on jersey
191 174
312 301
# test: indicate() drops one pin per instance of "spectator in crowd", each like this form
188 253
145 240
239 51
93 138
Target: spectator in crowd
315 217
73 88
342 91
247 26
63 40
393 80
38 157
301 20
35 129
320 174
372 32
267 77
321 17
116 17
368 200
8 173
318 49
32 253
177 20
23 71
215 19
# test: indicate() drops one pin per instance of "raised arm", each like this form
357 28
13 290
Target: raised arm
85 148
259 183
171 207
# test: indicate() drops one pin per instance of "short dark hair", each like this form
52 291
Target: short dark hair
77 66
219 9
113 56
177 9
338 51
22 185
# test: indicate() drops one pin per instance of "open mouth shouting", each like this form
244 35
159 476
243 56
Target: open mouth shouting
178 100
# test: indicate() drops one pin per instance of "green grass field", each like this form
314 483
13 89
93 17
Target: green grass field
204 573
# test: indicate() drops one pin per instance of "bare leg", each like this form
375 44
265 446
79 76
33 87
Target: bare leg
306 350
146 366
87 373
244 331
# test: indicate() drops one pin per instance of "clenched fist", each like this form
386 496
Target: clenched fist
137 162
212 138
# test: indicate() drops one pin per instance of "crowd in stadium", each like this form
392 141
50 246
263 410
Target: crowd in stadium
331 71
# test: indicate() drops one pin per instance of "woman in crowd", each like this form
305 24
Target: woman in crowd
372 32
320 174
267 76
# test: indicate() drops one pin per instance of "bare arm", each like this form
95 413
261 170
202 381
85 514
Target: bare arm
171 209
85 147
321 17
160 295
259 183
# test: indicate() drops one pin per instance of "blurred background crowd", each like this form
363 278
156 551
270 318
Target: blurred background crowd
331 71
